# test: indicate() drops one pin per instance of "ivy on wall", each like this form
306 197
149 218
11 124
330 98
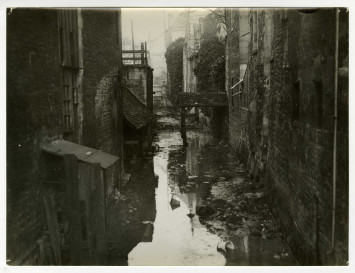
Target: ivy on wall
210 68
174 60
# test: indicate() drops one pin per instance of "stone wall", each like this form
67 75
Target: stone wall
281 123
35 102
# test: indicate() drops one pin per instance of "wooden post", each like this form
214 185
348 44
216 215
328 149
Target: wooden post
52 223
98 213
142 54
73 207
183 125
134 62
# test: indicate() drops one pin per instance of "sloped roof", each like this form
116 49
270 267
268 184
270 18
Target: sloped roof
60 147
134 111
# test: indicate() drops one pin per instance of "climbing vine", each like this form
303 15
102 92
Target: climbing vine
210 68
174 59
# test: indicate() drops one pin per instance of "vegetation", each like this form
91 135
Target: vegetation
174 60
210 69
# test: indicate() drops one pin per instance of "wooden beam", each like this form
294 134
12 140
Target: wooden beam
98 213
201 99
131 51
73 207
183 125
52 223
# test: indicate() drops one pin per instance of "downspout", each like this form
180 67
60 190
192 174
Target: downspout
335 126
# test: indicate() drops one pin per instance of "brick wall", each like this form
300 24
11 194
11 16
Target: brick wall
287 128
34 108
101 55
102 50
33 113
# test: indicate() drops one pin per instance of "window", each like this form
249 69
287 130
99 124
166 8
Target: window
69 40
70 100
69 35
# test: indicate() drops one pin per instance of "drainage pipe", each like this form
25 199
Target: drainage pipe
335 125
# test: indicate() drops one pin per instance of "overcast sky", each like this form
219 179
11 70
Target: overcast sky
148 25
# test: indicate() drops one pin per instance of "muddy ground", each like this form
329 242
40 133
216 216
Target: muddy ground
219 197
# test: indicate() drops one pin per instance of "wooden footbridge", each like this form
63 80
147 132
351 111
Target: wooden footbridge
186 101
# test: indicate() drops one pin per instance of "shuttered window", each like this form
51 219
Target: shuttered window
69 37
71 61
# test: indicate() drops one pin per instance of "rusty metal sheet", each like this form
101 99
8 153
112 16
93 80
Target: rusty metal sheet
61 147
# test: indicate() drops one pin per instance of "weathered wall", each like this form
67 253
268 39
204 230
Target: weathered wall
33 113
237 116
101 48
34 108
287 127
139 79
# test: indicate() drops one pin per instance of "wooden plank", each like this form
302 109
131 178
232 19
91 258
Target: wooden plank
73 207
84 193
23 258
52 223
131 51
98 214
201 99
131 58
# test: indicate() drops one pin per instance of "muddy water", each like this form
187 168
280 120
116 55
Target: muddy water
178 238
160 220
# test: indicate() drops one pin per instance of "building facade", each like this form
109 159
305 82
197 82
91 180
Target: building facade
63 88
288 120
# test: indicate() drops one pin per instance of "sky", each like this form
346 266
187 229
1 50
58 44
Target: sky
148 26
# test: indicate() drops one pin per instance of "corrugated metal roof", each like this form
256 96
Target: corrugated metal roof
61 147
134 111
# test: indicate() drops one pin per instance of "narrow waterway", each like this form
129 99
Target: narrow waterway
182 202
178 238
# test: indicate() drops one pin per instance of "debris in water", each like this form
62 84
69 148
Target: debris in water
225 246
192 177
174 203
191 215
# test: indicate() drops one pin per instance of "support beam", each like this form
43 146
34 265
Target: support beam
183 125
201 99
98 214
73 207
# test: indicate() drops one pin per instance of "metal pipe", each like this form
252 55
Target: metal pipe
335 125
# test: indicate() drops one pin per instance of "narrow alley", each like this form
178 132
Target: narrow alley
177 136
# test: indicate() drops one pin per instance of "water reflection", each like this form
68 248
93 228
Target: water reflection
178 238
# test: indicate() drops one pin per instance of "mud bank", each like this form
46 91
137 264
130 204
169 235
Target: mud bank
182 202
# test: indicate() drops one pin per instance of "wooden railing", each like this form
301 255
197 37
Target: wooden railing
137 56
